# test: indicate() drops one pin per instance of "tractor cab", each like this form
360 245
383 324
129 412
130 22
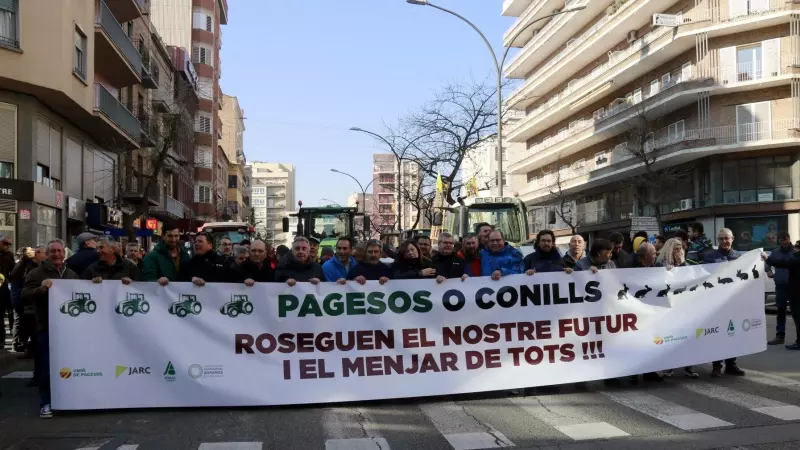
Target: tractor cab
327 223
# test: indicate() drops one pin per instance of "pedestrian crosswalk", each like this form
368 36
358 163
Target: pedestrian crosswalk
675 407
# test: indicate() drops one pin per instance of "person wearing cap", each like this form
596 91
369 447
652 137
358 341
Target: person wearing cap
86 254
314 242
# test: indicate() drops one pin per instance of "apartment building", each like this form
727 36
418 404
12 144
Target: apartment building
232 144
366 204
196 25
711 94
75 82
272 197
384 193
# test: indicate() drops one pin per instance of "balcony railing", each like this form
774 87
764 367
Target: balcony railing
109 24
523 19
173 206
109 106
149 73
751 10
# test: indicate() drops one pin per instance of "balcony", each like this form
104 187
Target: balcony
149 74
171 208
555 32
535 9
126 10
116 58
588 47
673 148
149 130
277 206
117 116
133 189
383 168
513 8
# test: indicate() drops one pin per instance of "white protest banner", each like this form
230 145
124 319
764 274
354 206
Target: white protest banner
116 346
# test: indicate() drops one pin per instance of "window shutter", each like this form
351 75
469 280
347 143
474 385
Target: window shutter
771 54
759 5
7 5
737 8
727 63
8 132
55 154
42 142
209 24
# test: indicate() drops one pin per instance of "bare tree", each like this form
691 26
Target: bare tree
564 206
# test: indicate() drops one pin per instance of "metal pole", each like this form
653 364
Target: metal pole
399 165
498 64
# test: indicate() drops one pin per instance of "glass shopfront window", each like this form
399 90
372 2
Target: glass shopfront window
756 232
8 222
46 224
751 180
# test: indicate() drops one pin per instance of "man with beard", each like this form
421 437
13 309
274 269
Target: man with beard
446 262
371 267
483 229
206 266
620 257
299 265
164 263
226 247
546 258
256 268
110 266
577 247
425 247
471 255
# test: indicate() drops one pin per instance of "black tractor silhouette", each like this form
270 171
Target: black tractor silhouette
755 273
741 276
694 288
724 280
707 285
133 303
643 292
664 292
188 304
239 304
679 291
623 293
81 303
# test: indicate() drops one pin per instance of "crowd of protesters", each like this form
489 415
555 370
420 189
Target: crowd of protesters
28 277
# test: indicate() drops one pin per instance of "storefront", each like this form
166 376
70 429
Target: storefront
12 193
756 232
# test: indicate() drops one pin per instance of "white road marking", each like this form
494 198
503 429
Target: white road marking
19 374
462 430
571 420
93 444
357 444
128 447
762 405
230 446
666 411
773 380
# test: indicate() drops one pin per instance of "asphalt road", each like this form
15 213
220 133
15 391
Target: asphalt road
759 411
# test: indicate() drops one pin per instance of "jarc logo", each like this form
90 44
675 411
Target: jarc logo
132 371
169 372
66 373
700 332
81 303
133 303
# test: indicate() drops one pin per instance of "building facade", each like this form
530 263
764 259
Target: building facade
479 171
385 196
196 25
616 108
272 197
232 144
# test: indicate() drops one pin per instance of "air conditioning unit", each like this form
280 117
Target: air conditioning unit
631 36
687 203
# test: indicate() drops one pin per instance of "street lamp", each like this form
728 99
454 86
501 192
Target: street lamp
498 63
330 201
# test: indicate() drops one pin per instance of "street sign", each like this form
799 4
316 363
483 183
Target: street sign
666 20
25 214
644 223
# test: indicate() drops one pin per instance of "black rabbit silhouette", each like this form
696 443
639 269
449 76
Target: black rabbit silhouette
623 293
643 293
741 276
680 290
755 273
694 288
724 280
664 292
707 285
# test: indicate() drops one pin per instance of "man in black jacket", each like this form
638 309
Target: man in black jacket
793 264
256 268
86 254
371 267
546 258
446 262
299 265
621 258
111 266
7 264
206 266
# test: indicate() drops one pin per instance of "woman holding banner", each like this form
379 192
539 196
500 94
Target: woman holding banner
409 264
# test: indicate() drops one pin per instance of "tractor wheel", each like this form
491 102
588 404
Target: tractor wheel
91 306
74 311
196 308
144 307
128 311
181 312
248 307
233 312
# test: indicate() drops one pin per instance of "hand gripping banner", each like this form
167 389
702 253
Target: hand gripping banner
144 345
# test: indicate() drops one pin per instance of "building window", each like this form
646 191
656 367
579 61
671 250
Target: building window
80 54
6 170
753 122
203 193
43 177
233 181
748 63
9 35
202 55
764 179
203 124
676 131
203 21
46 224
203 157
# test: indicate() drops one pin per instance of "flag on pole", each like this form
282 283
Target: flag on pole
439 183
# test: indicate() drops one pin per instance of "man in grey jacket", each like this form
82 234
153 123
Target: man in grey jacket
782 290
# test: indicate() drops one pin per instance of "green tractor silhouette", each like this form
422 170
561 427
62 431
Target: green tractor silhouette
239 304
187 304
81 302
133 303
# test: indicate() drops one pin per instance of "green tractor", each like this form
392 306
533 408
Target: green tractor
328 223
187 304
81 303
239 304
133 303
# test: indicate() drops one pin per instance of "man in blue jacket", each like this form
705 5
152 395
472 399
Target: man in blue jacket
723 253
336 268
783 293
500 259
546 258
